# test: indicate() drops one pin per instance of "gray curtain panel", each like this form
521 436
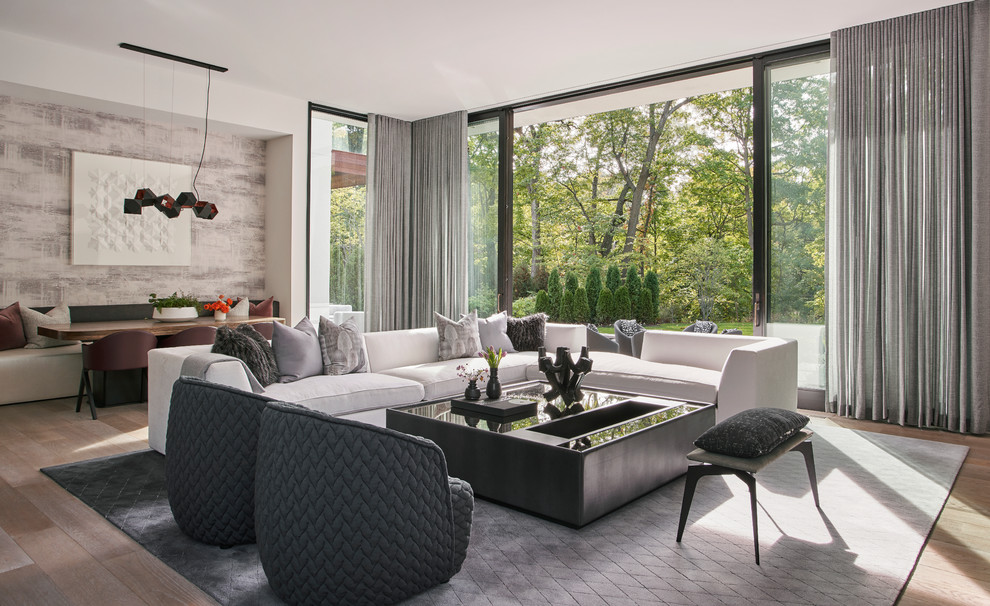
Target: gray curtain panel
439 221
907 239
416 221
386 289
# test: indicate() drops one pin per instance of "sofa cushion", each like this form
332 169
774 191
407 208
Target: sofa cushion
297 351
394 348
439 379
265 308
11 327
342 394
458 339
492 331
527 333
752 433
33 319
342 347
619 372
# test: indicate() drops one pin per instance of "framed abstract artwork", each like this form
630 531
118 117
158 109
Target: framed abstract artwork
103 235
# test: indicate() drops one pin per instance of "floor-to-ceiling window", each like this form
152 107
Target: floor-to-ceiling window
797 112
338 176
638 205
483 163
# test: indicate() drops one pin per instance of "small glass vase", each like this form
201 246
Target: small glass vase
220 316
472 392
493 389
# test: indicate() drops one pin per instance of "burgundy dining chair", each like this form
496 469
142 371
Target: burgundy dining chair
267 329
123 350
197 335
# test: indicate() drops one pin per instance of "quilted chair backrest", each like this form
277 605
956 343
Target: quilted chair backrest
212 441
348 513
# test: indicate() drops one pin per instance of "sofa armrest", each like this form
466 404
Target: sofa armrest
574 336
462 504
164 369
762 374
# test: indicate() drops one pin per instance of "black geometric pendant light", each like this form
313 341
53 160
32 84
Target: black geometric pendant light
169 206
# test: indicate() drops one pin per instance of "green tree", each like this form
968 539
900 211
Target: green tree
581 309
566 313
606 306
571 283
543 302
593 285
623 304
651 283
645 310
633 282
613 279
556 293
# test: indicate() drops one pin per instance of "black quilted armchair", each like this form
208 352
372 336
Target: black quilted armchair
349 513
212 440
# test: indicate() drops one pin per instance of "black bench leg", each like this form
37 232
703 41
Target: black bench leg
809 461
751 482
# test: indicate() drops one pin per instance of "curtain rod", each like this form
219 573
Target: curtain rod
171 57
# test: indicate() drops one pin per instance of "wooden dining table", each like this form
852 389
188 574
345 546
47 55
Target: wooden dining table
93 331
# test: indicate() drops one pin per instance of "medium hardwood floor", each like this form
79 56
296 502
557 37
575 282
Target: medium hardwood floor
55 550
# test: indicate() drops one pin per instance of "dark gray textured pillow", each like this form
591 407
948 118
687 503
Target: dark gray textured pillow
232 343
528 333
297 351
458 339
271 367
752 433
342 347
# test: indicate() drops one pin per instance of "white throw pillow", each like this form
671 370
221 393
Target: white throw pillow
32 319
241 310
492 331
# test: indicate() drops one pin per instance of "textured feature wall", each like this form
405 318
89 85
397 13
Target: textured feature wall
36 144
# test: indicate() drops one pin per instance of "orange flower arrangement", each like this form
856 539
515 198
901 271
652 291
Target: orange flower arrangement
220 304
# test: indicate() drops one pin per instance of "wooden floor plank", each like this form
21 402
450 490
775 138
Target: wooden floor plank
11 554
157 584
28 586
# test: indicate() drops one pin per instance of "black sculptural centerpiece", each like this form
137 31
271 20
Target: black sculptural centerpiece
565 377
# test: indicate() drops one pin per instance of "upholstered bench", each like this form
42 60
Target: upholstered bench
744 452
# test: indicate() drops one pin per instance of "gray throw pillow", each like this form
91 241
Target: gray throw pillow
458 339
528 333
342 347
234 343
492 331
297 351
752 433
32 319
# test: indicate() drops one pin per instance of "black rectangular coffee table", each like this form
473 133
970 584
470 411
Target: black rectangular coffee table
573 469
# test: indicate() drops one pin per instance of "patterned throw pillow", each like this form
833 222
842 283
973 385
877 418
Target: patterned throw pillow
752 433
342 346
234 343
33 319
528 333
458 339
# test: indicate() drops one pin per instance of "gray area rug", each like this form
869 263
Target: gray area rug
880 497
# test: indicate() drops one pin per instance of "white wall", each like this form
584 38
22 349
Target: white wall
128 83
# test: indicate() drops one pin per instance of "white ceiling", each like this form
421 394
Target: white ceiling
417 59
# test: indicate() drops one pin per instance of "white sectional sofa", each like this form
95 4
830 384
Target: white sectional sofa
39 374
733 372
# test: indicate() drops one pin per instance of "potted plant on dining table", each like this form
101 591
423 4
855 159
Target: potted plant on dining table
174 308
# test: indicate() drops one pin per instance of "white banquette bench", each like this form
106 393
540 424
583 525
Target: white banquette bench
733 372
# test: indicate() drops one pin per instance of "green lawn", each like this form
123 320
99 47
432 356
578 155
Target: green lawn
745 327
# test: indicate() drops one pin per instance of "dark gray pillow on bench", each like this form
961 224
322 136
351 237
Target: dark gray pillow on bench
752 433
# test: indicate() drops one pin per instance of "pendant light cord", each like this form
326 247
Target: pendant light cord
206 132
